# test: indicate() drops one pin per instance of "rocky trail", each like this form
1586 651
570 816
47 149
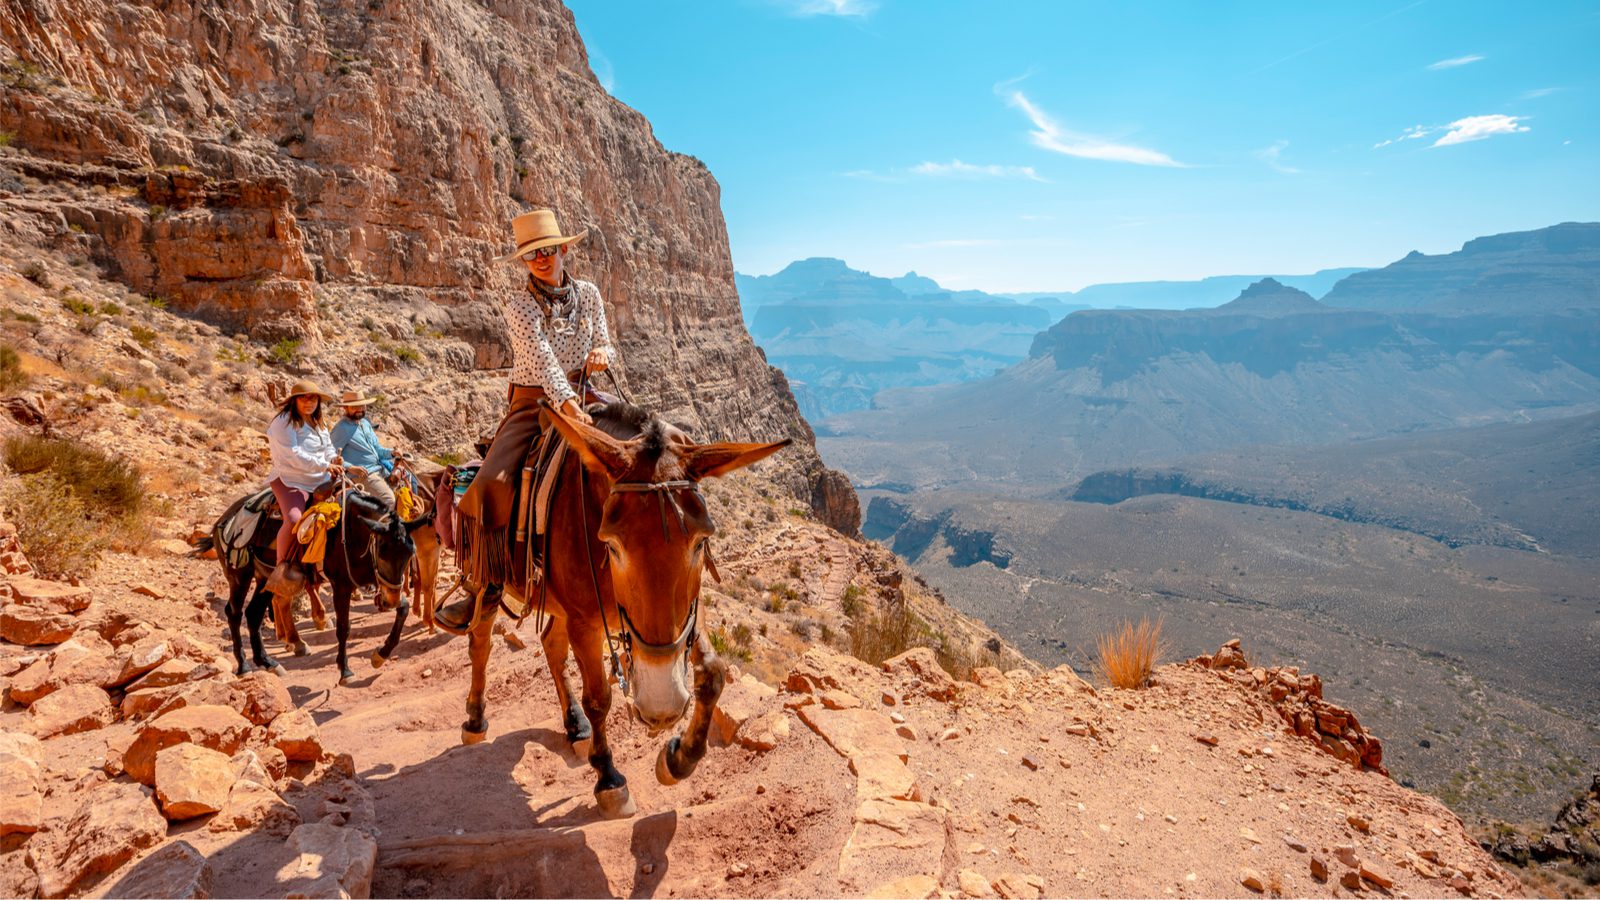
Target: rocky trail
844 779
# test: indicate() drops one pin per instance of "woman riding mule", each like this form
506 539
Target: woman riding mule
557 326
629 538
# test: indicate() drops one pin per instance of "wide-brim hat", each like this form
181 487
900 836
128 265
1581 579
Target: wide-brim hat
538 229
354 398
306 386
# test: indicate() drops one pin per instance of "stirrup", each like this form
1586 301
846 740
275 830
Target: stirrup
477 610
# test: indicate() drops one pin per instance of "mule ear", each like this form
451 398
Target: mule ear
711 460
376 524
601 453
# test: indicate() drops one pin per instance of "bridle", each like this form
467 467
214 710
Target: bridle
633 643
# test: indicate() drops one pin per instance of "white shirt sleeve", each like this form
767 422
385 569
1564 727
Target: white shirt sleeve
602 335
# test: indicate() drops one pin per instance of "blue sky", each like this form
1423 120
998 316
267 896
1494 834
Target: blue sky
1016 146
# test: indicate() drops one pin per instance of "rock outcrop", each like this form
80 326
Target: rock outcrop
264 165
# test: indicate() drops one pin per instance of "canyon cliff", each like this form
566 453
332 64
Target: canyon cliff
289 170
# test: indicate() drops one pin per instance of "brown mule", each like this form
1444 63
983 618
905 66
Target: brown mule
629 538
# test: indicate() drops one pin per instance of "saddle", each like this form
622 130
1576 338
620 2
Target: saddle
234 534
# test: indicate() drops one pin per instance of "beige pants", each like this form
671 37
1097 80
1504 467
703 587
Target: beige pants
375 484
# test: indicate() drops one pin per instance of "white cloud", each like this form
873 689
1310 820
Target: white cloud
1536 93
1411 134
1272 157
1049 135
859 8
1476 128
958 169
1457 61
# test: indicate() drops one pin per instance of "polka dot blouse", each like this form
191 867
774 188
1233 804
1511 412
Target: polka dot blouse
544 347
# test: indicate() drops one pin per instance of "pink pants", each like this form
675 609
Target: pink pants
292 503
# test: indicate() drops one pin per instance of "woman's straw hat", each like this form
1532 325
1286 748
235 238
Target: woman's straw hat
306 386
538 229
354 398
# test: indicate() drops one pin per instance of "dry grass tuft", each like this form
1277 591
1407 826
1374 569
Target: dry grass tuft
1125 657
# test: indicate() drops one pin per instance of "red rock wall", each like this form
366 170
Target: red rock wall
242 158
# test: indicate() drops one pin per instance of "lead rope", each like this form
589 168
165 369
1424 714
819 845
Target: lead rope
588 551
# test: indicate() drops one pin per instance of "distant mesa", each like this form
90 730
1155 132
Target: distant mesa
1270 297
1547 270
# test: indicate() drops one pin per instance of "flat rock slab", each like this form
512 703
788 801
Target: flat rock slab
893 839
192 781
75 708
853 732
21 758
213 727
54 596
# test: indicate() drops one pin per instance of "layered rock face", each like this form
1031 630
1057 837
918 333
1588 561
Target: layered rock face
264 164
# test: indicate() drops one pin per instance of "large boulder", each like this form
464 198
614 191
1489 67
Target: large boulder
21 762
141 656
74 708
213 727
740 702
175 872
919 672
85 659
253 806
192 781
50 596
261 697
111 824
295 733
31 625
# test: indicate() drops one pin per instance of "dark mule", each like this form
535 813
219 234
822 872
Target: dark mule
369 547
628 539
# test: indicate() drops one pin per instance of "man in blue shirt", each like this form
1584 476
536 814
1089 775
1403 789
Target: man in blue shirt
354 438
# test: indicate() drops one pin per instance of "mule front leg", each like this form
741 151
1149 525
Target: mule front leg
319 615
253 614
611 789
401 610
681 754
235 611
427 563
555 641
479 642
342 593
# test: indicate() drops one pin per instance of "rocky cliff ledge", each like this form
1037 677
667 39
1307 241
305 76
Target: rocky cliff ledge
289 170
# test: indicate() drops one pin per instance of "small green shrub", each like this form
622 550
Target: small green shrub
12 378
145 336
157 211
448 458
28 317
233 353
110 309
77 305
284 352
850 604
406 354
156 301
36 273
7 138
730 646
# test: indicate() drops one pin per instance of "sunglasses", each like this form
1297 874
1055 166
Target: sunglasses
541 252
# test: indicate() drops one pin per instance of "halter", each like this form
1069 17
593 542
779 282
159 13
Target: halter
665 492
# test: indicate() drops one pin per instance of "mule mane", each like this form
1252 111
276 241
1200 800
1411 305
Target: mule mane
624 421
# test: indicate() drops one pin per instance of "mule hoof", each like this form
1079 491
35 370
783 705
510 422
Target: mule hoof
319 623
245 669
377 659
616 803
470 737
300 648
346 677
664 771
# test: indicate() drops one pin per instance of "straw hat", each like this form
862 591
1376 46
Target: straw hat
306 386
353 398
538 229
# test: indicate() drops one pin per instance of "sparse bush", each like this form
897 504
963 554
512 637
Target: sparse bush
284 352
6 138
448 458
1126 657
104 482
28 317
157 302
794 568
69 502
36 273
12 378
405 354
880 635
146 337
802 628
850 604
111 309
727 646
77 305
138 395
237 353
780 596
54 525
157 211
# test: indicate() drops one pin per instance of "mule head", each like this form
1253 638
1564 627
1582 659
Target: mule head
387 538
655 530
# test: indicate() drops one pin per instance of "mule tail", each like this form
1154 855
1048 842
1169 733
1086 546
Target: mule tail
202 547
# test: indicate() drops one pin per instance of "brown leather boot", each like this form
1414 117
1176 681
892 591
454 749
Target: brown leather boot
458 616
286 579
